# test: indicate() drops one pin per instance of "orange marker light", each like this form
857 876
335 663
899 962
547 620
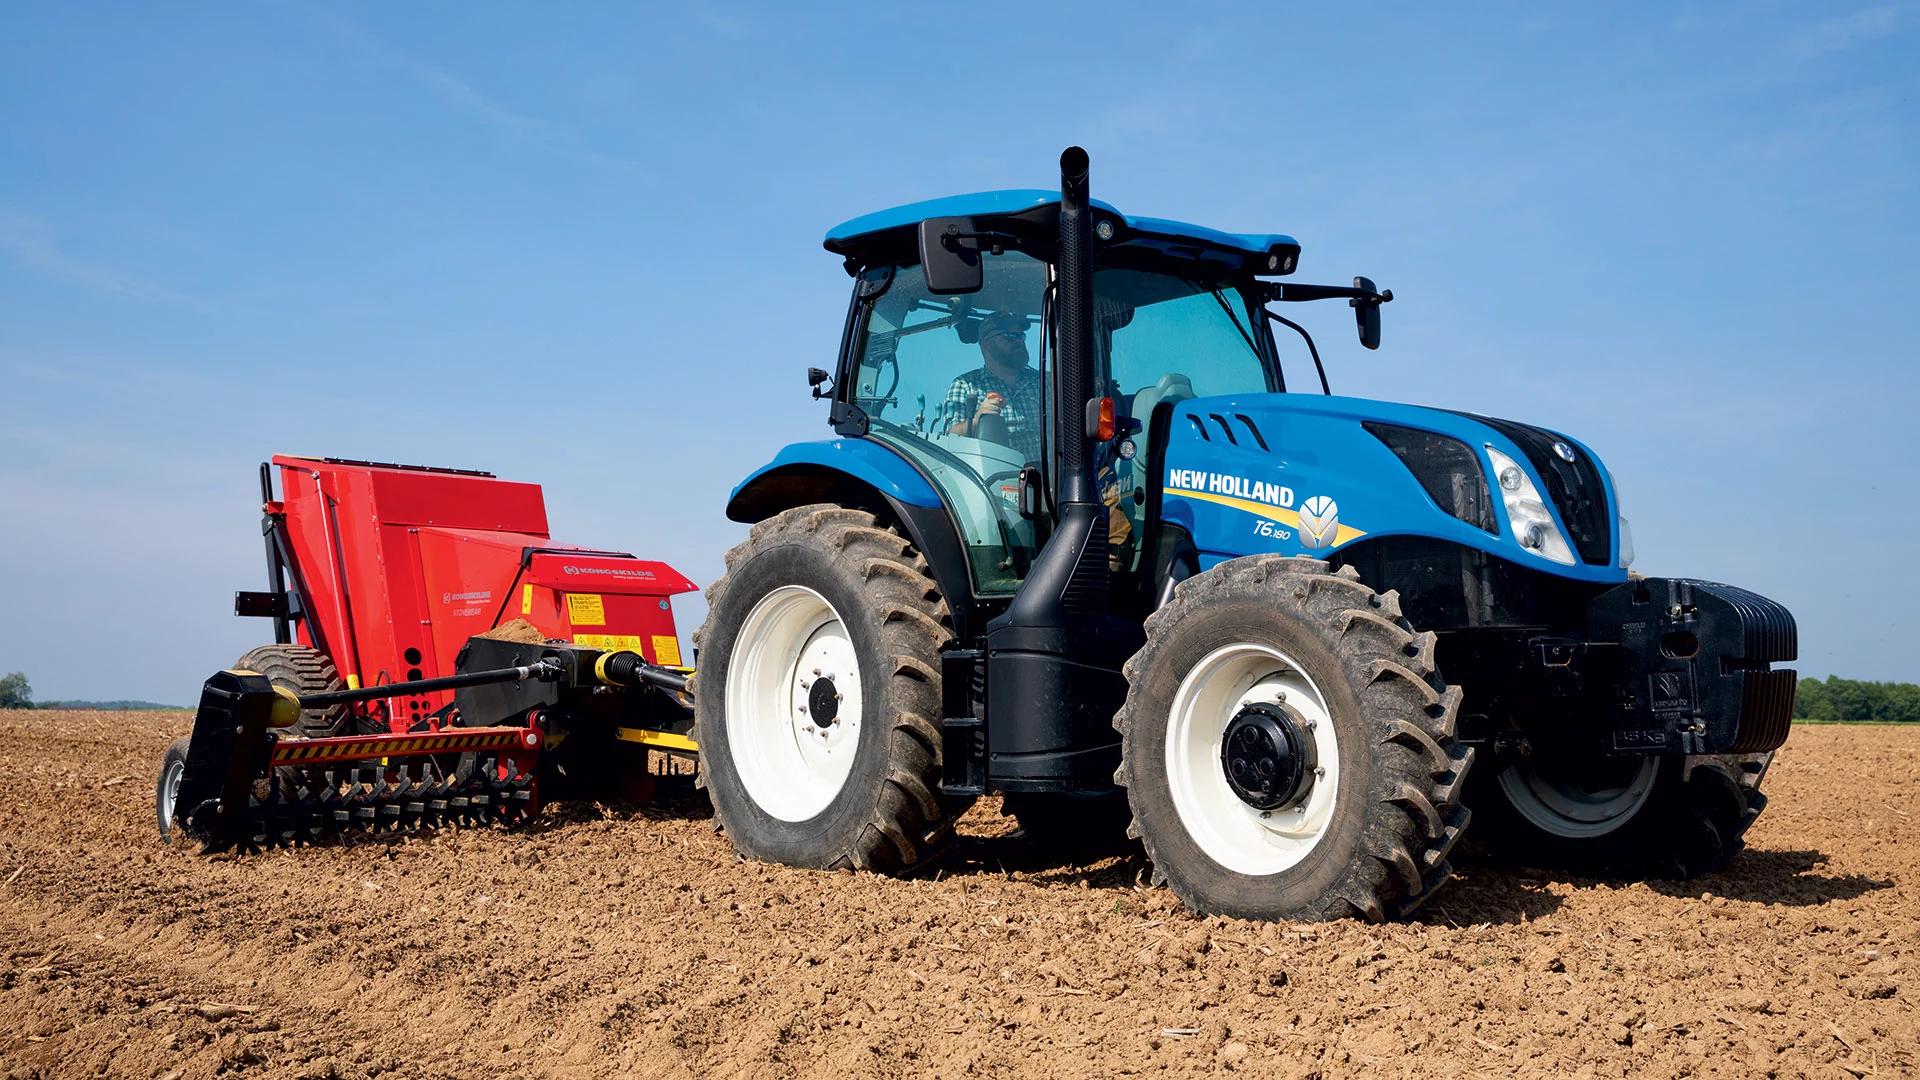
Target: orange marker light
1103 431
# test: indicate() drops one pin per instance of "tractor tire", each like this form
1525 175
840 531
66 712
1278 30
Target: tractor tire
817 698
303 671
1666 818
1284 651
1079 828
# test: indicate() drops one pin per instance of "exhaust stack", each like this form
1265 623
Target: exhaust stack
1074 302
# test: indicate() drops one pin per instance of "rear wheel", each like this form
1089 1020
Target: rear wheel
818 695
1288 748
1658 817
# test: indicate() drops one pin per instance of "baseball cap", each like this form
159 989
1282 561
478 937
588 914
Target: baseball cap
1003 322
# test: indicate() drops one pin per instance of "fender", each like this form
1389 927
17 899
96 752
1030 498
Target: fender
855 472
813 466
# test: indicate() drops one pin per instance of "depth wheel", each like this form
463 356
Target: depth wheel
1288 747
166 791
304 671
1632 817
817 699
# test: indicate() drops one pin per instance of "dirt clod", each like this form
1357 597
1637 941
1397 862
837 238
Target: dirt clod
609 941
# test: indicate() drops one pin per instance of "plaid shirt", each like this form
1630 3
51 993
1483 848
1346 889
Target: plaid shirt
1021 411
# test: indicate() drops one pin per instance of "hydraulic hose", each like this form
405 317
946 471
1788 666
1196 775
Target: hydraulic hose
544 669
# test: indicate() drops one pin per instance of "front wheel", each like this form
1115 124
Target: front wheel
1288 748
817 700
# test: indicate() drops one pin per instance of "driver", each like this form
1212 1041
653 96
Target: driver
1004 386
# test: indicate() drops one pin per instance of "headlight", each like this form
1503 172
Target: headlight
1527 512
1620 518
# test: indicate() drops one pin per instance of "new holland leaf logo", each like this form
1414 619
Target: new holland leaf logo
1319 522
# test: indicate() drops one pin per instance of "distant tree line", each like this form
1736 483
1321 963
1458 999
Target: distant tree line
15 693
1856 700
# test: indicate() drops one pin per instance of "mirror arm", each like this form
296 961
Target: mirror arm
1289 293
953 236
1302 331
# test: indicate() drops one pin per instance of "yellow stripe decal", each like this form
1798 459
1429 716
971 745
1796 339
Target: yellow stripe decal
1289 518
665 740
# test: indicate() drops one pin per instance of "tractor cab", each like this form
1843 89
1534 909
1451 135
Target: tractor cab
964 384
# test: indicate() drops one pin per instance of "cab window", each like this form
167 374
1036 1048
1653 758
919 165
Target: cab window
954 384
1160 338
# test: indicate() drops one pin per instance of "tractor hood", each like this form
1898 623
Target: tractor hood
1310 475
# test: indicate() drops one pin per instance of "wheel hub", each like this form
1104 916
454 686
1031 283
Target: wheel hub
823 701
1268 756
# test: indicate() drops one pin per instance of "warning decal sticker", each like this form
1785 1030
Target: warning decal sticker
586 609
609 642
666 650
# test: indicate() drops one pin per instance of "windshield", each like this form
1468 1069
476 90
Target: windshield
959 386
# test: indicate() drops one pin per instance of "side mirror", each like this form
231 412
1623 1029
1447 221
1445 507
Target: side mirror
1367 312
951 264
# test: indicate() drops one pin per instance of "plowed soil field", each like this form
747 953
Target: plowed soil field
631 942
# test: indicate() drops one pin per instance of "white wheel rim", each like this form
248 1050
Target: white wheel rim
1576 808
791 766
1235 835
169 794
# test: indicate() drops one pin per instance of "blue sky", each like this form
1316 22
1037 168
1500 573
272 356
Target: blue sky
580 245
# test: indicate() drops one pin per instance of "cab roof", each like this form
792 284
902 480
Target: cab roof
845 236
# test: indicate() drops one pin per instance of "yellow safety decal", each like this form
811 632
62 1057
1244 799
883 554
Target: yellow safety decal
609 642
526 600
665 740
1289 518
586 609
666 650
353 682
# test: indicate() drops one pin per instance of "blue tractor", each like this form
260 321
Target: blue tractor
1083 540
